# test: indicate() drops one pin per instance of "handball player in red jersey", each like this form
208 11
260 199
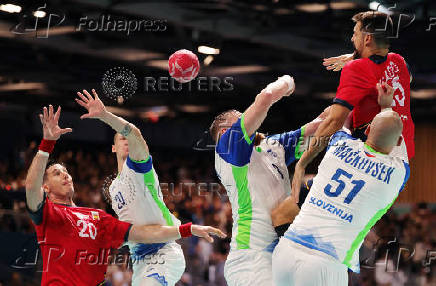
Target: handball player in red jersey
75 241
362 79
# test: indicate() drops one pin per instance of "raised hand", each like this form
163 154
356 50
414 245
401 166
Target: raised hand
205 231
94 106
337 63
385 95
50 124
283 86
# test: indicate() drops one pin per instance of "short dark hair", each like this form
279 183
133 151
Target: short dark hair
49 164
378 24
218 123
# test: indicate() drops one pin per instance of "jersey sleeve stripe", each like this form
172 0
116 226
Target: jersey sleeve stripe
232 146
246 137
245 208
140 166
361 236
300 142
37 216
343 103
150 182
126 236
406 177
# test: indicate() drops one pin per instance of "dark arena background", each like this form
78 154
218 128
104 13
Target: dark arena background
52 49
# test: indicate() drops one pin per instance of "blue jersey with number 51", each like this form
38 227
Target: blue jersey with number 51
353 189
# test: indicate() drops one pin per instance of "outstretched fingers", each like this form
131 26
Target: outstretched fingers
45 113
82 97
330 61
95 94
87 94
216 232
50 112
81 102
57 114
65 130
208 237
389 89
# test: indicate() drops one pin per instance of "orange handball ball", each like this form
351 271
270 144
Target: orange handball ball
183 66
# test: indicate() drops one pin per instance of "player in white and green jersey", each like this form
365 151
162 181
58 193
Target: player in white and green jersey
253 169
136 197
357 182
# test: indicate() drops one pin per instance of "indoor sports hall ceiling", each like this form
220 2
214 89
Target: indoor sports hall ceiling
257 41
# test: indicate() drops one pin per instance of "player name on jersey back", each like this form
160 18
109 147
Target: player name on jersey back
363 162
353 189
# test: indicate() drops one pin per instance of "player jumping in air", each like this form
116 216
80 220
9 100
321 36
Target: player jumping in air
357 92
75 241
137 198
356 184
253 169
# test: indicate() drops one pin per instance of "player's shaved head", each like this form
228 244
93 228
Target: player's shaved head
385 131
223 120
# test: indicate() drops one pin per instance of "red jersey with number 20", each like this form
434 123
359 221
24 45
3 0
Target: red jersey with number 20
357 91
75 243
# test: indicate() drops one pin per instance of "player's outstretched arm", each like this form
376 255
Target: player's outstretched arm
256 112
335 120
35 174
138 149
311 127
337 63
159 233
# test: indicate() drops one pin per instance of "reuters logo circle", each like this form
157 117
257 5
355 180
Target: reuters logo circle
119 84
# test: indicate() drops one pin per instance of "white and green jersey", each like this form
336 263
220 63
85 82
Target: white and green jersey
354 188
256 179
137 198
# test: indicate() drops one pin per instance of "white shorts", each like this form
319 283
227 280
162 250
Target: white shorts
295 264
248 267
167 266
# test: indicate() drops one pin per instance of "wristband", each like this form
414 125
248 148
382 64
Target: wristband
185 230
47 145
386 109
289 81
45 154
